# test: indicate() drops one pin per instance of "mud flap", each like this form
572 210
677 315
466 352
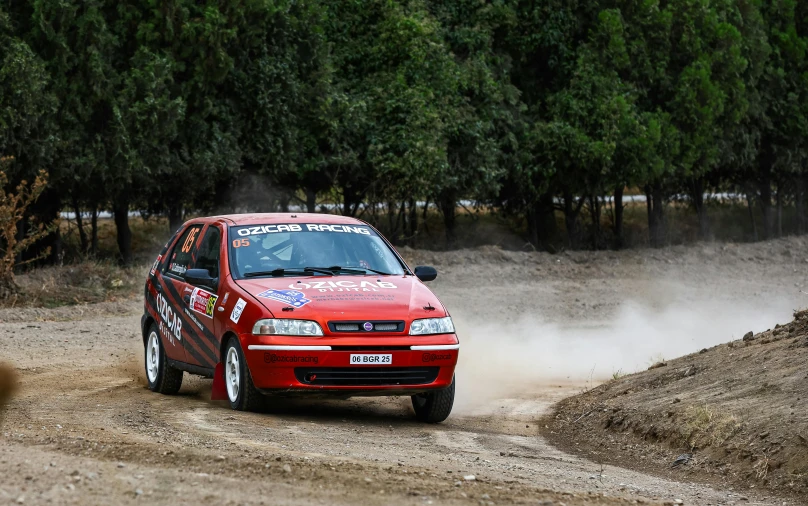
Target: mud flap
218 391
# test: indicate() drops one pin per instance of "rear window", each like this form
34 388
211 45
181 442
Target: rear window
266 248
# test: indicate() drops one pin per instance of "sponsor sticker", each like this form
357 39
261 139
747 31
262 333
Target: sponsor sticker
433 357
177 268
293 227
156 263
292 297
192 317
237 310
170 324
203 302
345 286
274 358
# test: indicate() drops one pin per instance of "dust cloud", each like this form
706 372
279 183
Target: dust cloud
502 358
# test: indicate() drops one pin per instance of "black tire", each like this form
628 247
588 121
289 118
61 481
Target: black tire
248 397
167 379
435 406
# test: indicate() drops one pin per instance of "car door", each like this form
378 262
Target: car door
177 299
168 284
202 300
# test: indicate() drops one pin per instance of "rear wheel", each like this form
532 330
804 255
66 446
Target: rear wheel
434 407
241 391
161 376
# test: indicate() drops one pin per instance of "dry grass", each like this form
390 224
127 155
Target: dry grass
82 283
148 237
762 467
706 425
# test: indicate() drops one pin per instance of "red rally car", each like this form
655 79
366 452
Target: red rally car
293 304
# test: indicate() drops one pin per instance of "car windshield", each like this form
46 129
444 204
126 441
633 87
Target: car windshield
311 249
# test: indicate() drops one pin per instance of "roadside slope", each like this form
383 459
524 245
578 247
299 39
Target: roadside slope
740 409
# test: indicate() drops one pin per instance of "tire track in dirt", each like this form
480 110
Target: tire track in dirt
350 449
83 429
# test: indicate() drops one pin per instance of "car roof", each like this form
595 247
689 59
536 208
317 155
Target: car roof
272 218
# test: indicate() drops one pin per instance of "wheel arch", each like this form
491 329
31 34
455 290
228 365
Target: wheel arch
222 345
148 321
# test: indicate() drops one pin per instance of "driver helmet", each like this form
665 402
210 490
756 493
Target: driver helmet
315 248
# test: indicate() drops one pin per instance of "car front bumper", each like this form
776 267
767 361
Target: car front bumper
417 365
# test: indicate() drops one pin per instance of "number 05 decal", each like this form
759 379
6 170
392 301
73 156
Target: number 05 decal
237 243
189 242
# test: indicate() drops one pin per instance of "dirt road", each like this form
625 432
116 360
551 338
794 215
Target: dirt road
534 327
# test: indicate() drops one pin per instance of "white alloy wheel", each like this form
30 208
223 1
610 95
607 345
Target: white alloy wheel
153 357
232 374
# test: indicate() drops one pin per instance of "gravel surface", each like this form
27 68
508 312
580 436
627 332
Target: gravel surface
535 329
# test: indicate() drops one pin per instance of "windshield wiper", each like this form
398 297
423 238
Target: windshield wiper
357 270
283 272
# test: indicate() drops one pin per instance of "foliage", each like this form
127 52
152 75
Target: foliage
13 207
182 107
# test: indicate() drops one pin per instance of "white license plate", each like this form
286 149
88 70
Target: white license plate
371 359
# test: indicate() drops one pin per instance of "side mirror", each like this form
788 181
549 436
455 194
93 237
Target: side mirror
200 277
425 273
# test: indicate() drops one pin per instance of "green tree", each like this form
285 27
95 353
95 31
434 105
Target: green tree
780 123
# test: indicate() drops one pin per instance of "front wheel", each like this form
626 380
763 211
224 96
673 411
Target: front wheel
434 407
241 391
161 376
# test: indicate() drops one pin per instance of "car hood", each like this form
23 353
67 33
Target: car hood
326 298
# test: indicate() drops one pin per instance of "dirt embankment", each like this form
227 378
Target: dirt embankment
739 409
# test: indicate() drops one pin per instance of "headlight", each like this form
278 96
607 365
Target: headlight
432 326
281 327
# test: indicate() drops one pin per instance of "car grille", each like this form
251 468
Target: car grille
359 326
366 376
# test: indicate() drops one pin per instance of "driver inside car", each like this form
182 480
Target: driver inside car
313 250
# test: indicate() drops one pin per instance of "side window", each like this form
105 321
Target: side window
182 255
208 256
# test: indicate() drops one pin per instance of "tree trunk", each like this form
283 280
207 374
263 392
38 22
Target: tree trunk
571 219
283 202
799 203
448 206
594 211
779 199
85 245
618 217
697 196
94 231
311 200
765 198
401 222
413 221
174 218
750 205
124 233
346 203
425 215
656 215
542 226
45 210
533 226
